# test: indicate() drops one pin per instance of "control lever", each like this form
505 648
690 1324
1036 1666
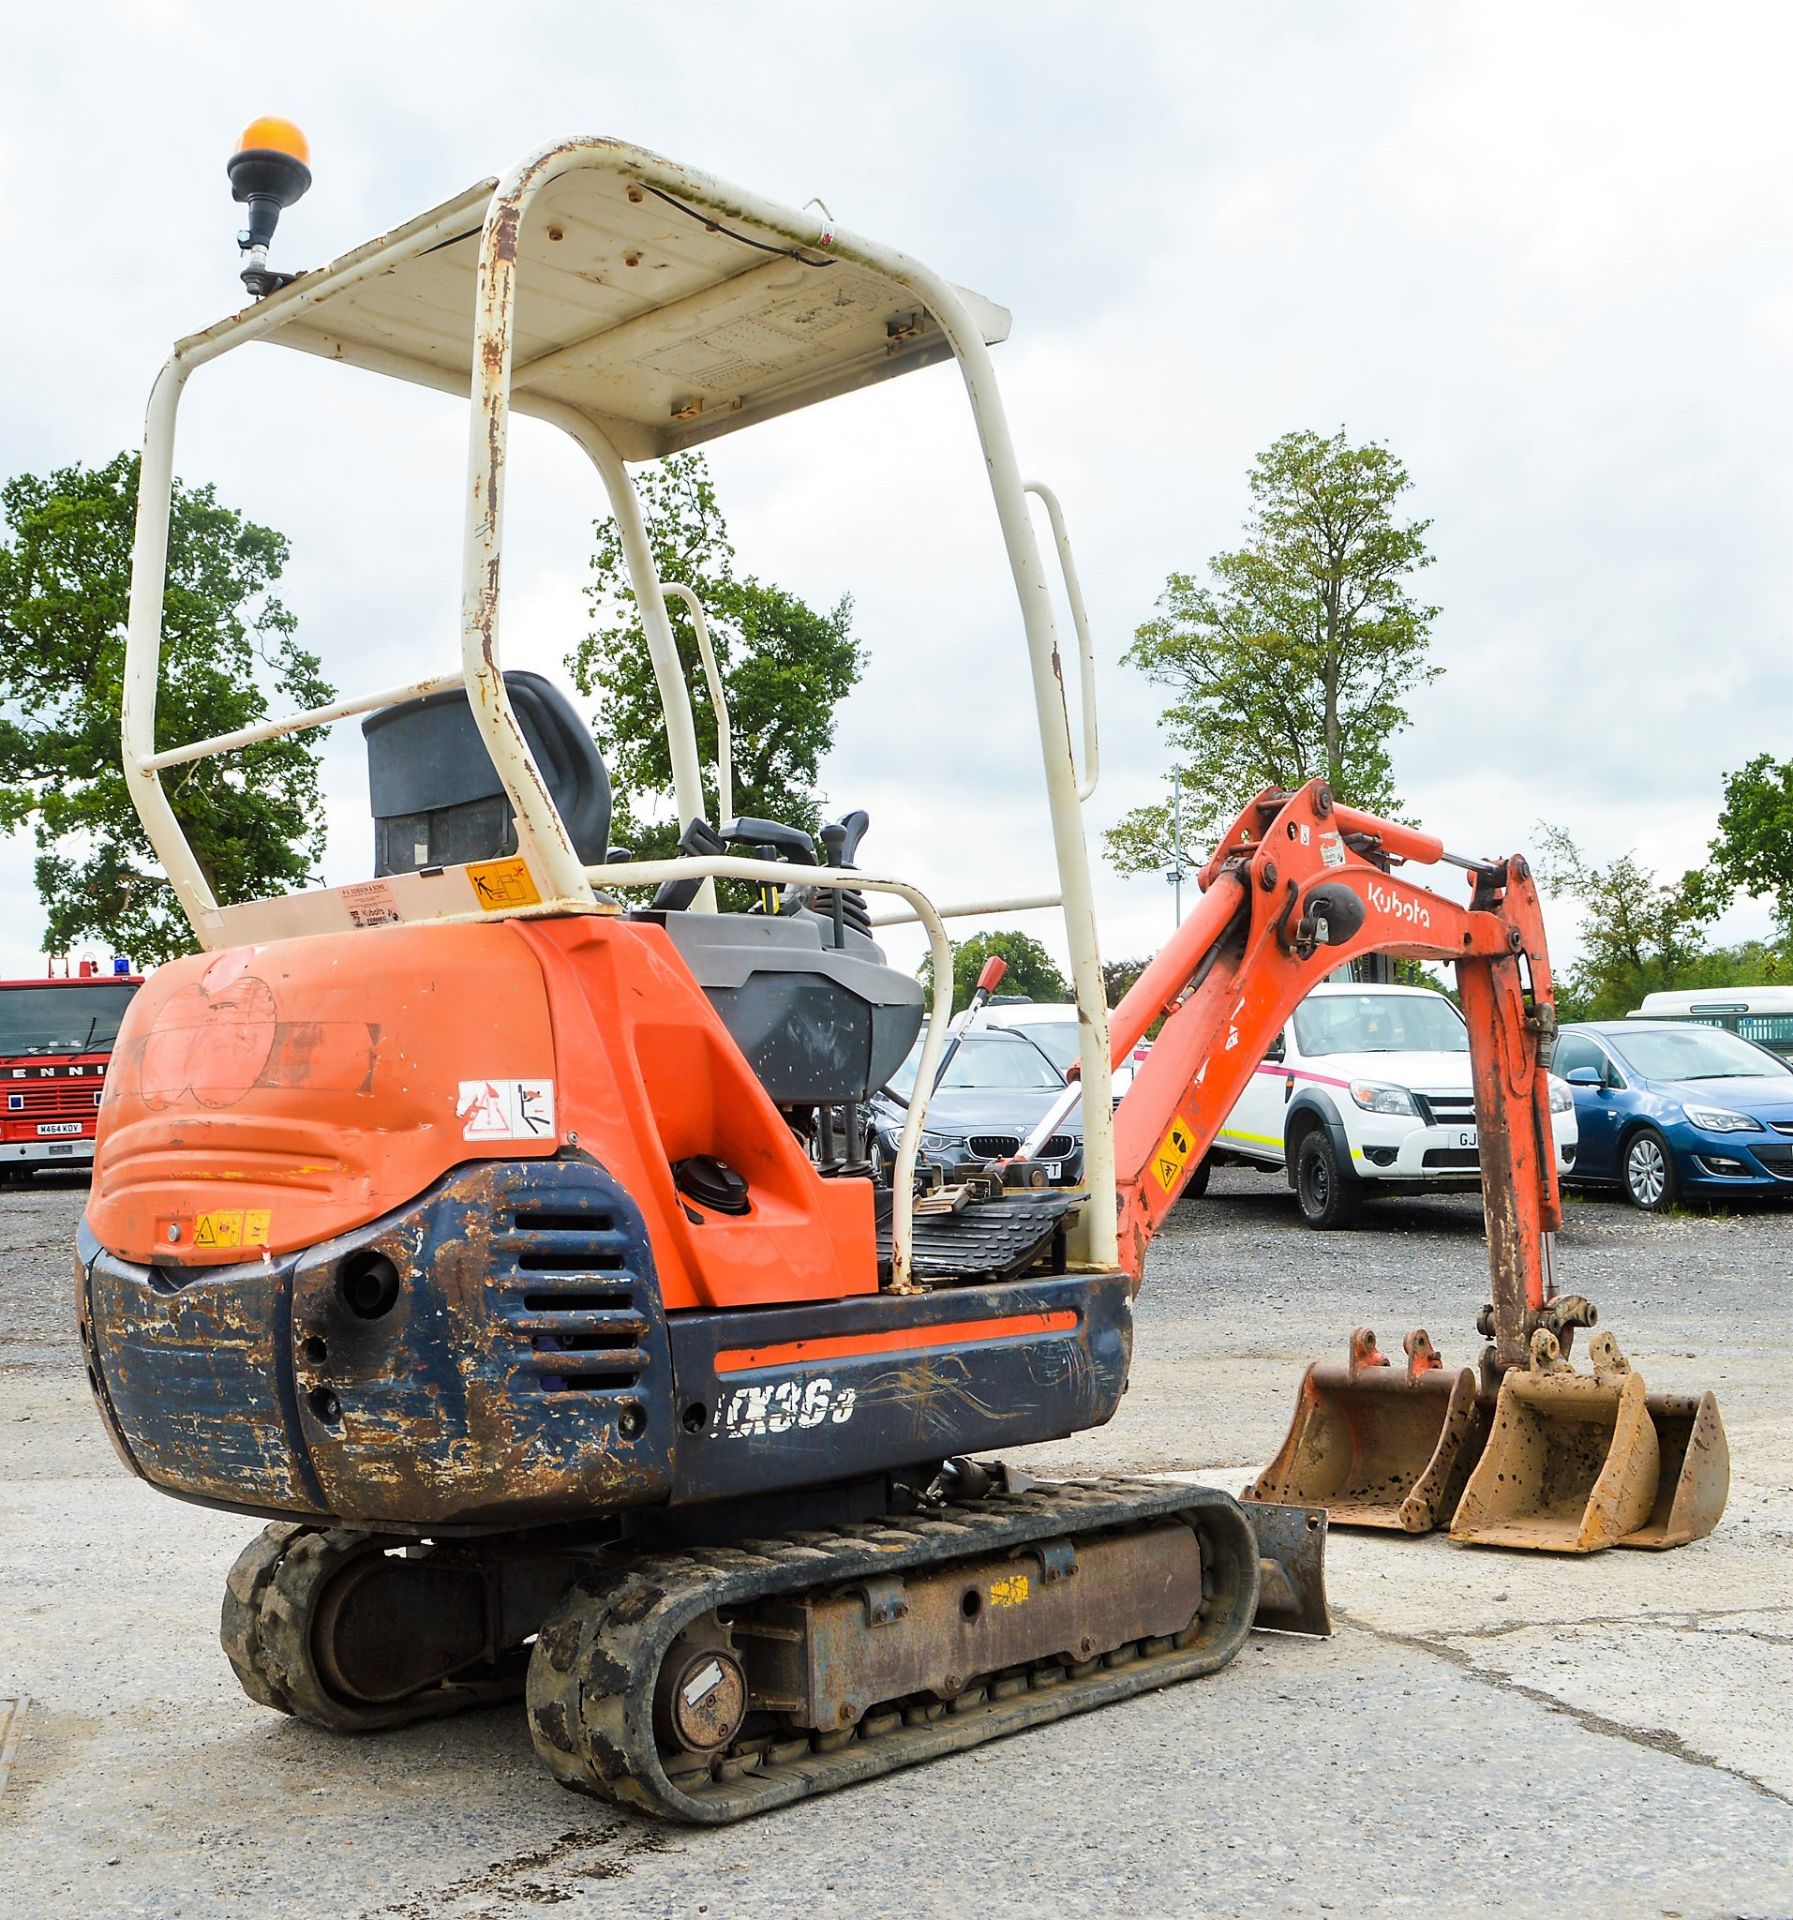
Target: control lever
770 838
851 829
698 839
792 842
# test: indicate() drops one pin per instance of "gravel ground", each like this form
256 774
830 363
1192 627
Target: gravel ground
1486 1732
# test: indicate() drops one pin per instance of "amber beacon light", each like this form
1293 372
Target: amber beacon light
268 172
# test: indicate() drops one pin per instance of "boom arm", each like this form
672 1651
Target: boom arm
1297 887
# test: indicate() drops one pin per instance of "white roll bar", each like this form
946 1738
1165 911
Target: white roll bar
725 746
500 210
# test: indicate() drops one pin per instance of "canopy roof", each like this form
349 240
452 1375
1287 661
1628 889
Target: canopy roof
662 327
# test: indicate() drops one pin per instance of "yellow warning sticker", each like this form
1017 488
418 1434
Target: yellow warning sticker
232 1227
501 884
1012 1592
1173 1153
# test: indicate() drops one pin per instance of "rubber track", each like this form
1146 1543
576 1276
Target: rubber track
598 1657
271 1601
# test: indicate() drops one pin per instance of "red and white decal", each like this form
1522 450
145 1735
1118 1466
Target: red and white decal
506 1109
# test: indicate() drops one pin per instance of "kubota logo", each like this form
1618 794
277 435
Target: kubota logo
1397 906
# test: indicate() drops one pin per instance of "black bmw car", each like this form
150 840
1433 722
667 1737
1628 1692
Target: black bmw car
994 1091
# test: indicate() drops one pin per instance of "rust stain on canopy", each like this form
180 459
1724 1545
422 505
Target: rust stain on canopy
646 300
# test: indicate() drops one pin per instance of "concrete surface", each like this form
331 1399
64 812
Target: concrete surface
1487 1732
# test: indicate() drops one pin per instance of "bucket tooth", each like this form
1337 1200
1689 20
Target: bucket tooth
1695 1474
1572 1463
1376 1446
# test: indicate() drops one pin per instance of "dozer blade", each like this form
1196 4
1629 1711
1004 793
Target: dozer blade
1376 1446
1694 1477
1573 1462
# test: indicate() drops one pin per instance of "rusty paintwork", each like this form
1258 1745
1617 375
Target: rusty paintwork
824 1658
510 1366
1379 1446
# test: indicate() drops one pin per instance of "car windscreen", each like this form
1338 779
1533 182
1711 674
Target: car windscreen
1696 1053
984 1062
62 1019
1056 1039
1379 1023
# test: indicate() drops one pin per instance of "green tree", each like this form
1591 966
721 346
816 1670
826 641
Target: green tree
1297 655
253 817
1032 970
1118 976
785 668
1639 933
1754 847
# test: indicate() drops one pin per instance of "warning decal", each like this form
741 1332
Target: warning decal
232 1227
1173 1153
505 1109
500 884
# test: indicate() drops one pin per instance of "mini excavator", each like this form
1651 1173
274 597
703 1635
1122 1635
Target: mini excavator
470 1224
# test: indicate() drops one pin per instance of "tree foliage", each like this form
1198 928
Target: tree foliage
1032 970
1297 655
784 666
1118 976
1643 934
1754 847
253 817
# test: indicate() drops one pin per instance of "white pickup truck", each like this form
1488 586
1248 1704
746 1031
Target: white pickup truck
1368 1091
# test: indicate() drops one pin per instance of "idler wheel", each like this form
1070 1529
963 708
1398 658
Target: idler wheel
702 1701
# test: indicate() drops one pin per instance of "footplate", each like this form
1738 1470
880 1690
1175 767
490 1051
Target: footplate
987 1239
695 1686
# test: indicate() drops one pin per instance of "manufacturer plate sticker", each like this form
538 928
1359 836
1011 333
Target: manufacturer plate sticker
1173 1153
1332 850
499 885
370 904
506 1109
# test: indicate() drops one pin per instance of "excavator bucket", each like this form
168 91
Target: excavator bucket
1378 1446
1694 1476
1576 1462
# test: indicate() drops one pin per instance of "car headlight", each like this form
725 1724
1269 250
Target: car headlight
1722 1120
1562 1097
1376 1097
938 1140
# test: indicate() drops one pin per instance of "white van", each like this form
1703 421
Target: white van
1368 1091
1761 1014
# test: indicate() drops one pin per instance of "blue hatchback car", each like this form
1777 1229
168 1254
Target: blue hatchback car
1665 1108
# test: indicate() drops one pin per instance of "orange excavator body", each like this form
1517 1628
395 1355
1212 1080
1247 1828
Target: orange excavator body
269 1099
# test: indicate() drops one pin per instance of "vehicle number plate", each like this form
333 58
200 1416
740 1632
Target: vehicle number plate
1466 1136
45 1127
1050 1168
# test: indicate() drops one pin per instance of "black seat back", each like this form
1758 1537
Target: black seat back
436 797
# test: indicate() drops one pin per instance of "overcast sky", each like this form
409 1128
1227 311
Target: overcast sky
1542 251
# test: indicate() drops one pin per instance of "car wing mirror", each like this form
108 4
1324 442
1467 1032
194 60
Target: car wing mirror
1275 1050
1585 1077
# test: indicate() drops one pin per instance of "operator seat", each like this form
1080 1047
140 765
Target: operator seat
821 1019
437 799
